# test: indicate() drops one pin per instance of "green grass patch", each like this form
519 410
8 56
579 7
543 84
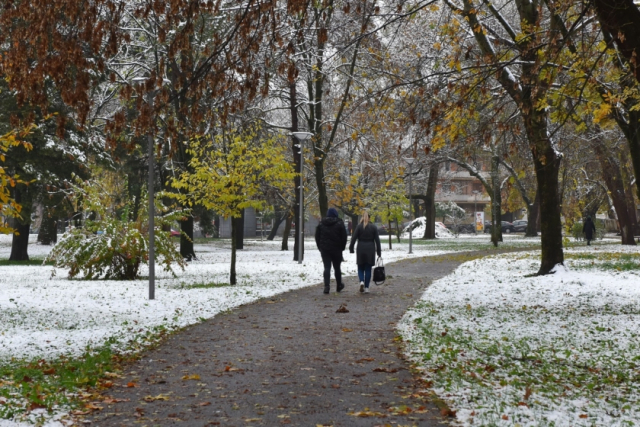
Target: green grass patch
27 385
609 261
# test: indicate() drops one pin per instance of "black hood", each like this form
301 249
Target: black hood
330 221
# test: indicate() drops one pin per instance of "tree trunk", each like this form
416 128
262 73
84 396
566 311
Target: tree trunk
186 242
276 224
496 200
285 236
615 184
547 167
234 247
429 202
48 233
239 224
297 180
533 216
20 241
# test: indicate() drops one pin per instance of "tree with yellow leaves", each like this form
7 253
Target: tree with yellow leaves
8 206
229 171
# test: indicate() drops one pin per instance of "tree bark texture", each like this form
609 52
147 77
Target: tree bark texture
615 185
239 223
430 204
20 242
496 201
186 242
533 217
234 248
285 235
297 161
279 219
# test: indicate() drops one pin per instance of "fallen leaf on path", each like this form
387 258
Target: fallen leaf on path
347 330
387 370
365 414
154 398
204 403
131 384
342 309
191 377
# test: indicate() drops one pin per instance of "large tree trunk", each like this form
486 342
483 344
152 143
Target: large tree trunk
533 216
430 204
287 231
234 247
48 232
615 184
186 242
20 242
547 166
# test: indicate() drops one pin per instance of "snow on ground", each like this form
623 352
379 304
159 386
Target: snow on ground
46 316
505 349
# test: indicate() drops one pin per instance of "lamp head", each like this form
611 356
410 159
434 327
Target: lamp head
302 136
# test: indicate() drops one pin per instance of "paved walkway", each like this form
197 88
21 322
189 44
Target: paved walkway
290 360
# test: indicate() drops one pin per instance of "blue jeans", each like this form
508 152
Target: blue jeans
364 274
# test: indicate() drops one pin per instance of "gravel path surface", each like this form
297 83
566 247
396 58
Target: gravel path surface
291 359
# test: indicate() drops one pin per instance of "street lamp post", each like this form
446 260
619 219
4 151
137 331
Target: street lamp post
410 161
150 184
152 233
301 137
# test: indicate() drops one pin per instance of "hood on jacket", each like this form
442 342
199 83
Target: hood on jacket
330 221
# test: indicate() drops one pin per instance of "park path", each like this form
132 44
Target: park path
289 360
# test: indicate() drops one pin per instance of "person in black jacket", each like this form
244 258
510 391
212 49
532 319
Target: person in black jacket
331 239
366 235
589 228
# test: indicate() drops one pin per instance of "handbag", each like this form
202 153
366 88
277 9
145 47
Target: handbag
379 275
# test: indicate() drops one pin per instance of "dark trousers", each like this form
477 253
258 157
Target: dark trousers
329 258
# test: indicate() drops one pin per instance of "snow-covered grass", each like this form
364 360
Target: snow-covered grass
49 321
503 348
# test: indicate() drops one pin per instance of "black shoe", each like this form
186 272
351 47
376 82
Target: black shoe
326 290
340 287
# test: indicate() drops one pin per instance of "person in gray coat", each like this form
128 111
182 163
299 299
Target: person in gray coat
366 234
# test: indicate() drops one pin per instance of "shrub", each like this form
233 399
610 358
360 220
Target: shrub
113 246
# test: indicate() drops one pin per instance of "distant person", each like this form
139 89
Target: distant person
589 229
366 234
331 239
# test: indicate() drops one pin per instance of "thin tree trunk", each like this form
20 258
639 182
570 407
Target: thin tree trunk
297 180
239 223
234 247
276 224
429 202
496 200
285 236
186 242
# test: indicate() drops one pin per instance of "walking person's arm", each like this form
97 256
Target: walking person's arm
354 238
376 238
